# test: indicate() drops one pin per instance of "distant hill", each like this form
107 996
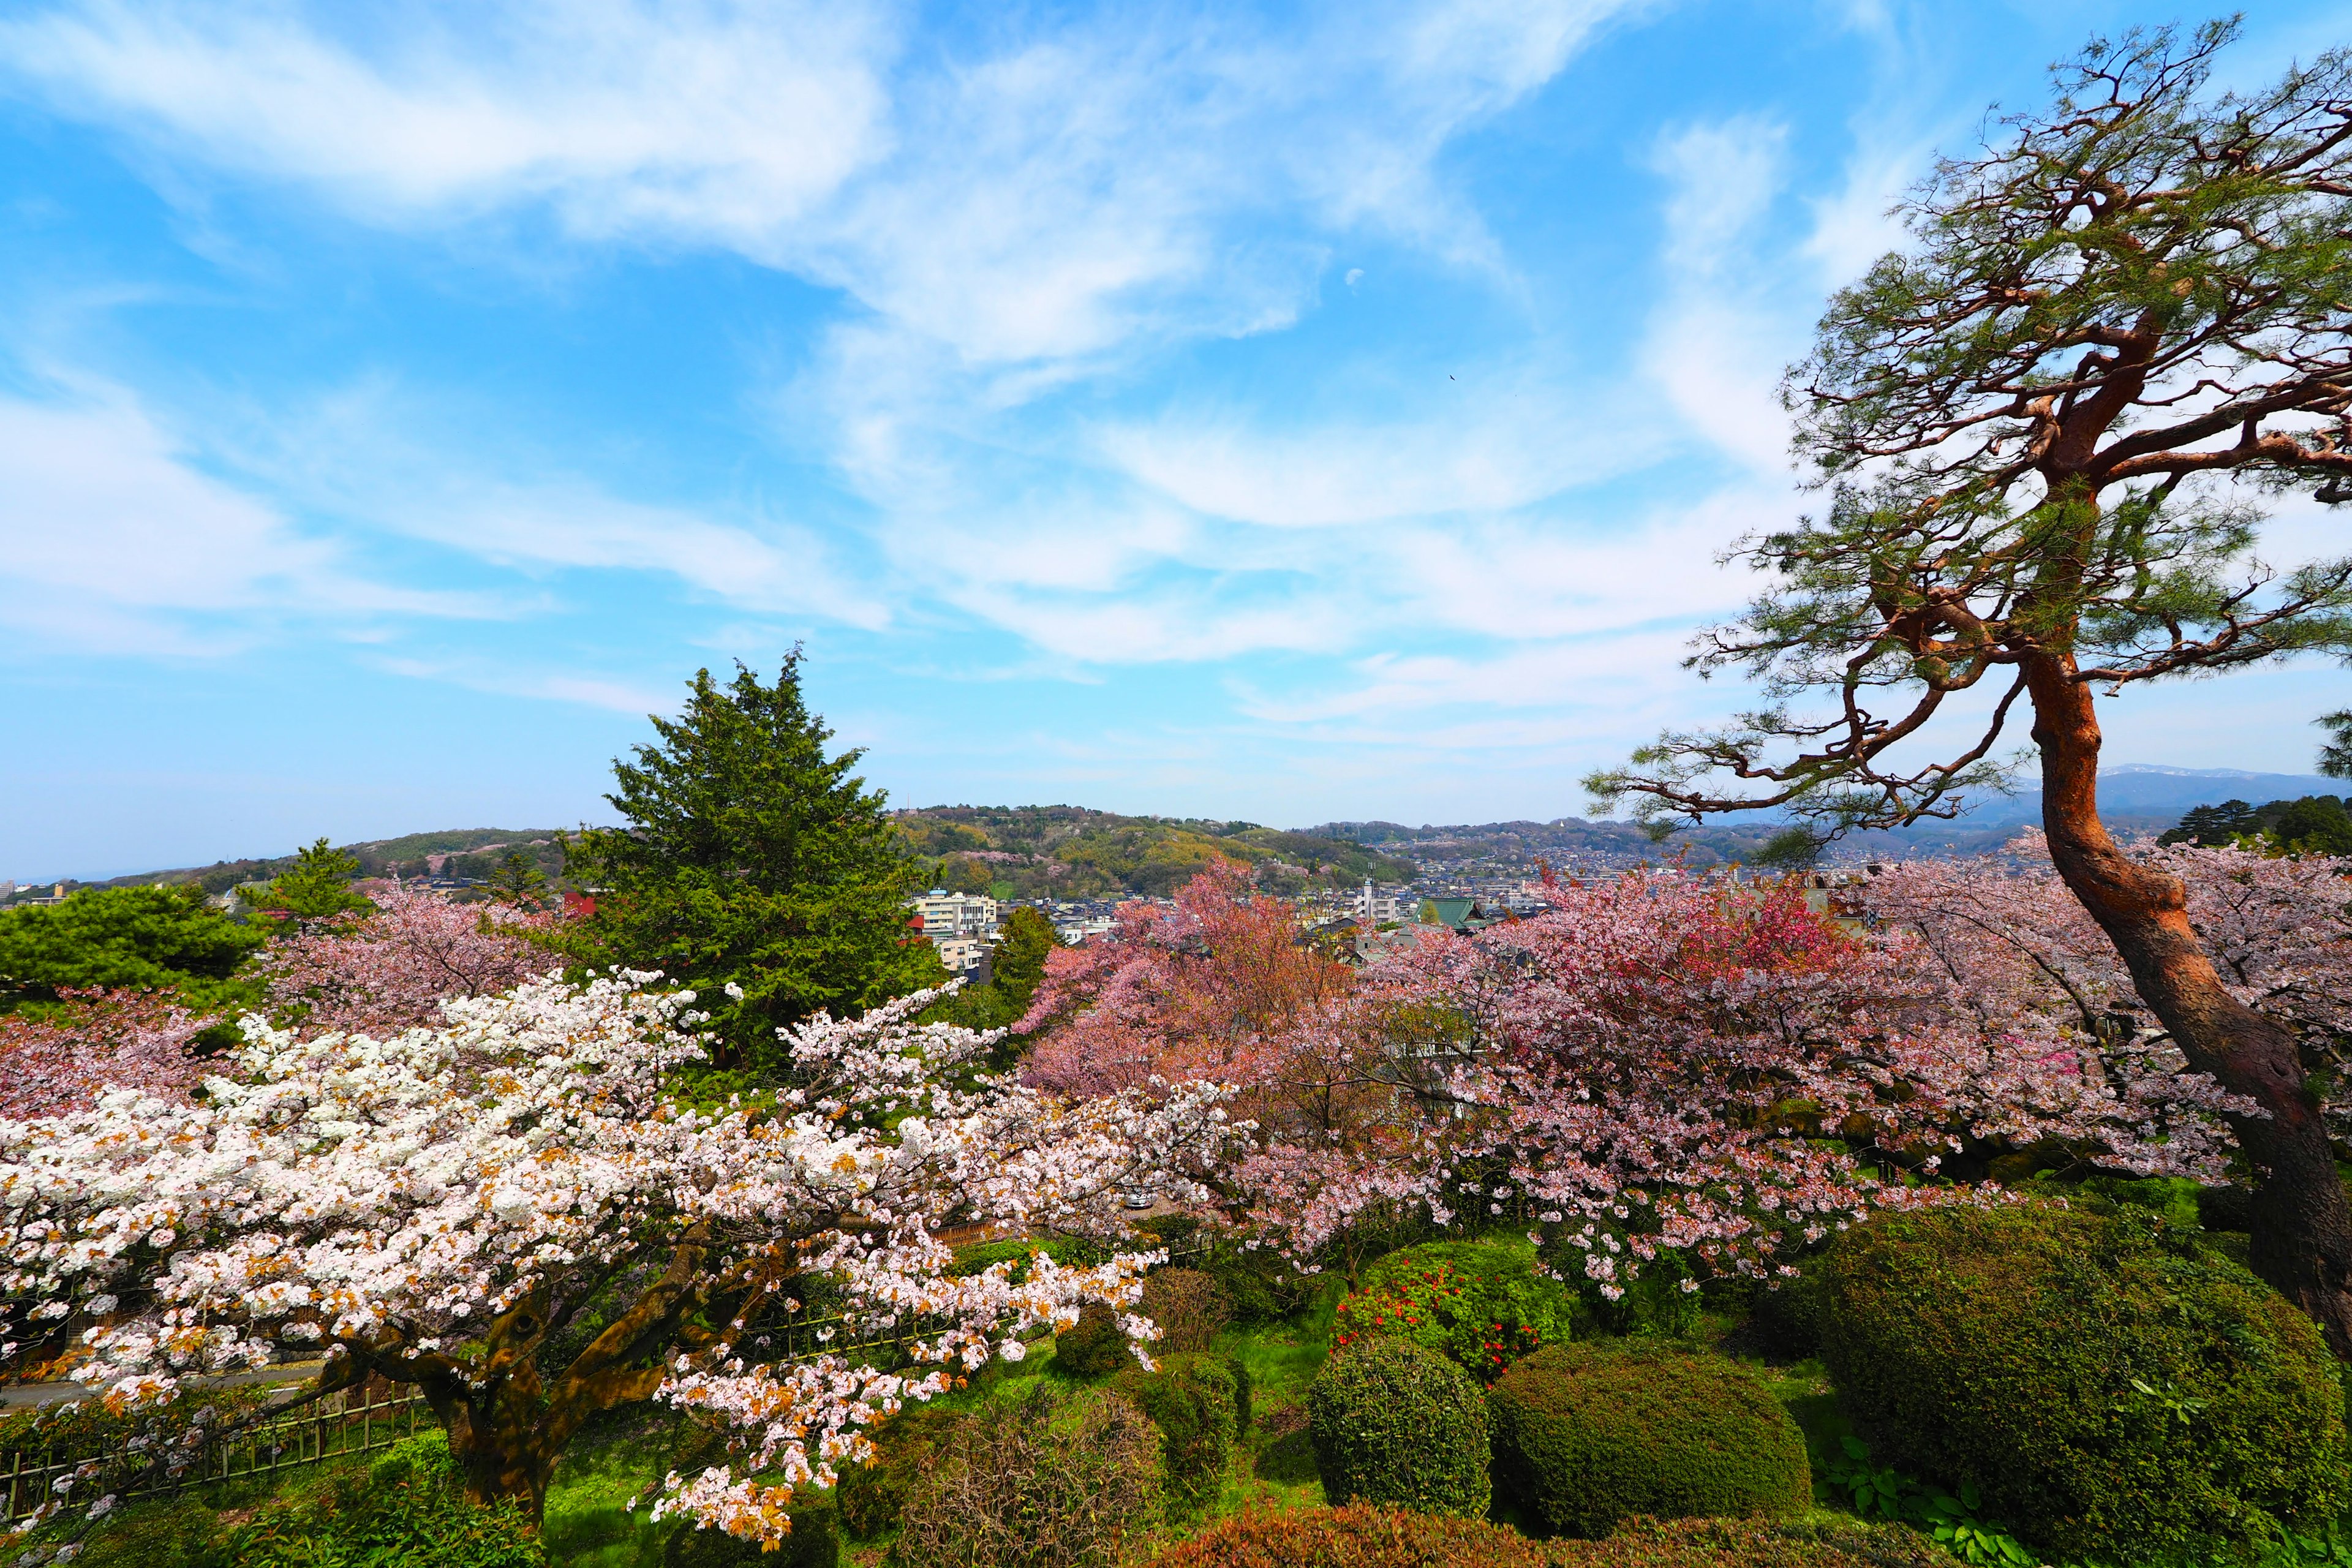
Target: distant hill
409 855
1074 852
1071 852
2134 798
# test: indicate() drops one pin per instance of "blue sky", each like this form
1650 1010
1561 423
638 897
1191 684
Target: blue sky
1289 414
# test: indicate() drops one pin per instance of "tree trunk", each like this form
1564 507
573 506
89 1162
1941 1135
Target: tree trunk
2301 1223
502 1442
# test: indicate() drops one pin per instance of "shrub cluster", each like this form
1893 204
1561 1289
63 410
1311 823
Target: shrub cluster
1095 1346
1355 1537
1362 1536
1047 1480
1399 1424
2115 1391
1752 1543
1200 1405
871 1498
1587 1436
1483 1303
1187 1304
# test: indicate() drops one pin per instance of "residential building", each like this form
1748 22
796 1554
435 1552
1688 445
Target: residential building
946 914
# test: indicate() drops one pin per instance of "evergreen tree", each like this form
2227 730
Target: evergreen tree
2213 826
130 938
751 857
1019 959
319 888
2316 824
2336 756
517 880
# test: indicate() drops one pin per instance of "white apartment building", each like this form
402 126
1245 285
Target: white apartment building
946 914
1372 909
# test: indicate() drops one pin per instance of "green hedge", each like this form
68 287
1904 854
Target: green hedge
1355 1537
1752 1543
1396 1424
1483 1303
1587 1436
1095 1346
2115 1392
1200 1404
1362 1536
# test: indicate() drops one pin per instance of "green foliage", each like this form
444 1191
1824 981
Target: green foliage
1198 1403
972 1257
2113 1390
2316 824
1069 852
1589 1434
1877 1491
319 888
2212 825
2336 756
1814 1542
751 858
1018 960
518 880
1395 1423
405 1511
126 938
1483 1303
1093 1346
182 1532
1355 1537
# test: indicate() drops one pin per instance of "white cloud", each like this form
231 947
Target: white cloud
1717 344
707 122
117 541
376 456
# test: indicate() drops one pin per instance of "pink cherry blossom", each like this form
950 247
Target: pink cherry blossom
394 969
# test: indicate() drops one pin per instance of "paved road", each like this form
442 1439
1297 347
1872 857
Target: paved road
18 1395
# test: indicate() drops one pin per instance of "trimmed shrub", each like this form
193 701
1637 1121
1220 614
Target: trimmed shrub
1363 1537
871 1498
1395 1423
1355 1537
1197 1401
974 1256
1483 1303
1187 1304
1752 1543
1095 1346
1784 1320
1590 1435
1049 1480
2115 1391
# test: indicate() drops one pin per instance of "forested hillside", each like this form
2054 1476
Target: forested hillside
1070 852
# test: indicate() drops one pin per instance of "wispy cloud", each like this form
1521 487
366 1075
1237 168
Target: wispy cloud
117 540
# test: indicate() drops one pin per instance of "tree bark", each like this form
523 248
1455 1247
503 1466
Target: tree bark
2301 1223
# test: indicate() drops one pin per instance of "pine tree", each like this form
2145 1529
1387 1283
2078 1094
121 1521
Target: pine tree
2213 826
319 888
517 880
1018 962
2031 420
751 858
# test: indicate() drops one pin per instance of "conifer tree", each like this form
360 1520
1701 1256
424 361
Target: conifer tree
319 888
751 858
2045 425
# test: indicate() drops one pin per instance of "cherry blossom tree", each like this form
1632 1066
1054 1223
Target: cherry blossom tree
434 1207
392 968
60 1060
1670 1063
2276 929
1210 987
